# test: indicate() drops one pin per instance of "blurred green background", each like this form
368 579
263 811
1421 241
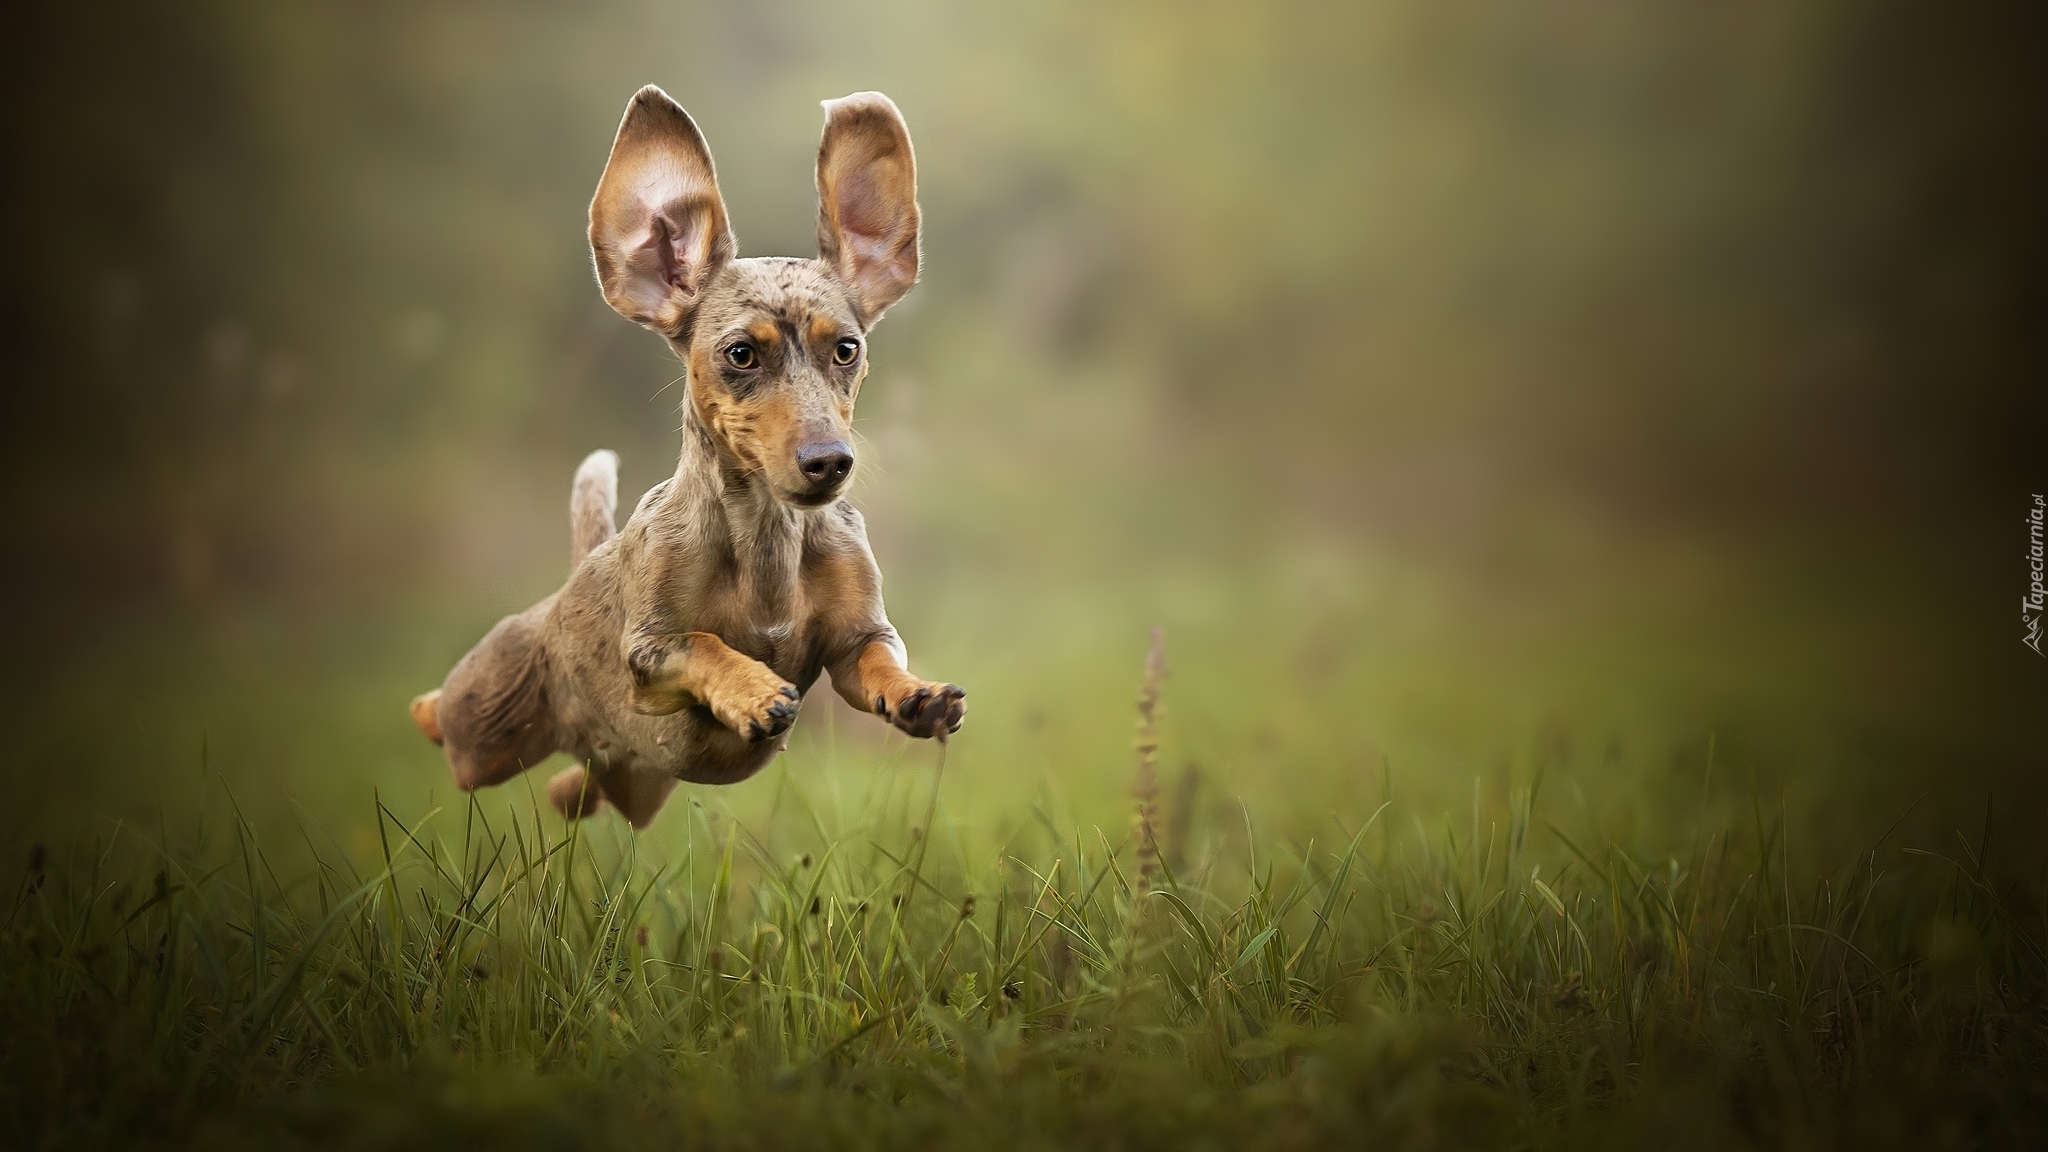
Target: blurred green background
1465 389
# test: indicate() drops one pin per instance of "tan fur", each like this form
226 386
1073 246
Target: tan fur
682 644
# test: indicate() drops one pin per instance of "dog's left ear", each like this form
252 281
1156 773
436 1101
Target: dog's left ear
867 201
658 230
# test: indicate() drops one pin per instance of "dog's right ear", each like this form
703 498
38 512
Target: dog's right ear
658 230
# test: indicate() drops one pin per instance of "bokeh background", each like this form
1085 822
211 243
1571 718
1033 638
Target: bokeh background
1465 389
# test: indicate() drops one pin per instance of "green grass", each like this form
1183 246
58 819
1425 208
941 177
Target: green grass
868 971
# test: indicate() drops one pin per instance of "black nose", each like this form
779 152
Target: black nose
824 462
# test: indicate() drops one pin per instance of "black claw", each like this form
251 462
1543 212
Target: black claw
755 732
789 690
882 707
909 714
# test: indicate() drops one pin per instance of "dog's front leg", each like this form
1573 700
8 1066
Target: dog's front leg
873 678
681 670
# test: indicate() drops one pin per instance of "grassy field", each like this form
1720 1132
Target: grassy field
862 949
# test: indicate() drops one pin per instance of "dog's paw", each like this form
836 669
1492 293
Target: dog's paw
760 707
926 709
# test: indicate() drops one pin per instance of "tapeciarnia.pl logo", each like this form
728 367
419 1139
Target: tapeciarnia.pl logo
2031 604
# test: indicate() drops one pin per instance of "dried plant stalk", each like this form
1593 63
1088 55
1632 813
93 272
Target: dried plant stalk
1145 785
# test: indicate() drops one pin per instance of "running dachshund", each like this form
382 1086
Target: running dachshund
682 645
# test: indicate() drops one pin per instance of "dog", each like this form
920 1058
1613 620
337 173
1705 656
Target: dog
683 644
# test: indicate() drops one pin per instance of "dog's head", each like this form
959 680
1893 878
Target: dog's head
776 348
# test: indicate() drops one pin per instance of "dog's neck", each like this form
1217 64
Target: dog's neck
739 516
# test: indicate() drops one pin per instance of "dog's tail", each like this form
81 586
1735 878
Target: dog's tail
592 499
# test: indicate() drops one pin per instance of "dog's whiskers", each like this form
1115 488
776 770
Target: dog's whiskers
667 386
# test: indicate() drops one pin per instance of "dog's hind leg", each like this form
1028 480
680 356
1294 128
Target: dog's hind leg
638 795
593 500
493 712
573 793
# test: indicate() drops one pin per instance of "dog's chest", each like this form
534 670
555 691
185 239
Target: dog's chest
769 628
780 644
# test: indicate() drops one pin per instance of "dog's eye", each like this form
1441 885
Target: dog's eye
742 356
846 352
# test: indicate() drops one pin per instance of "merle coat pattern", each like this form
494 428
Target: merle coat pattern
683 643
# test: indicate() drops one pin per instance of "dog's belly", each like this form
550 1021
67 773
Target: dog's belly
596 723
689 745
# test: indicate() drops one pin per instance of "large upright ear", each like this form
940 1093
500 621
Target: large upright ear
658 228
867 200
